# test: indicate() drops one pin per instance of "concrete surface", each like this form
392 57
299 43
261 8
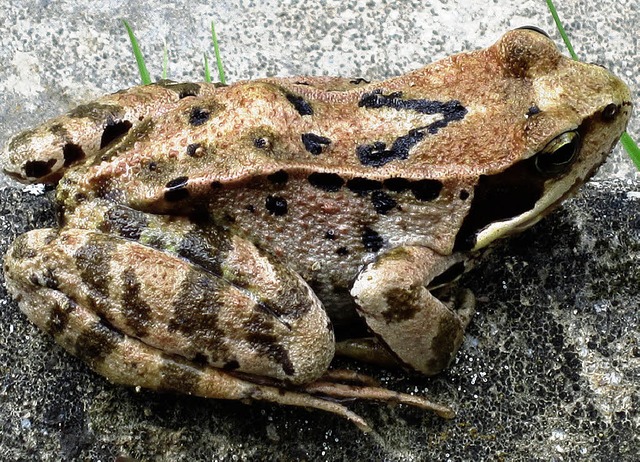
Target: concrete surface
550 369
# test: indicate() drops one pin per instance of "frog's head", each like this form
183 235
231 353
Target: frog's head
576 114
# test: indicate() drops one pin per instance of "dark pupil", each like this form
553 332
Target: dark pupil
554 162
563 154
609 112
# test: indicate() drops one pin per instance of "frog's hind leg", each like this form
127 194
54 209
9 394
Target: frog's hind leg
82 287
124 360
174 305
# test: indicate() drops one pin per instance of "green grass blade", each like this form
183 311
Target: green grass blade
632 149
165 61
216 50
627 142
142 67
207 71
564 35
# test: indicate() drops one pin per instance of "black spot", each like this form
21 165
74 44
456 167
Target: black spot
231 365
200 216
443 344
329 182
300 104
260 336
376 154
276 205
38 168
152 166
114 130
250 208
371 240
59 317
193 148
342 251
198 116
49 278
363 186
358 81
125 222
204 248
176 189
533 110
93 261
403 303
261 143
397 184
451 110
95 343
426 190
314 143
196 308
179 376
72 153
280 177
135 309
464 194
272 311
382 202
330 234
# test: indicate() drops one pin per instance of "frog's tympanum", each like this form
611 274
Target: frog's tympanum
214 240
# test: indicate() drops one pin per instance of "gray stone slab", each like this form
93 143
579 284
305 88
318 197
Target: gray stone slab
550 368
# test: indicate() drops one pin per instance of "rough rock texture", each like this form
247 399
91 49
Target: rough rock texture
550 369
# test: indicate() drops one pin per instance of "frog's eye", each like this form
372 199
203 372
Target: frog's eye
558 154
535 29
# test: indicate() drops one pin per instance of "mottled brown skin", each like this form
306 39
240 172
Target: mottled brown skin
211 234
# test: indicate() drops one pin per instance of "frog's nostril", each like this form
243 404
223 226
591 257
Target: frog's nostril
610 112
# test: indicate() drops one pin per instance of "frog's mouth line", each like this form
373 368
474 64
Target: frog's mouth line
547 202
518 197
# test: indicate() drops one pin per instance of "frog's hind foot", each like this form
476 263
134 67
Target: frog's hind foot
331 389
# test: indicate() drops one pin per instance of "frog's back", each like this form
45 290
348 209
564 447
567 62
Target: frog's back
386 164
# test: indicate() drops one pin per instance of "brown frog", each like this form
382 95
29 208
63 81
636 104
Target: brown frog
212 236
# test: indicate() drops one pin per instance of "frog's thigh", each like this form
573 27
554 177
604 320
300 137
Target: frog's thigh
418 328
163 303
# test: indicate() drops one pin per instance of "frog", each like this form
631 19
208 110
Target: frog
228 241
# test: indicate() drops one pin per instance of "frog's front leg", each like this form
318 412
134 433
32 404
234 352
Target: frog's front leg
394 296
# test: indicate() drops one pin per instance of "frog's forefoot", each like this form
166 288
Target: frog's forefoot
409 300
